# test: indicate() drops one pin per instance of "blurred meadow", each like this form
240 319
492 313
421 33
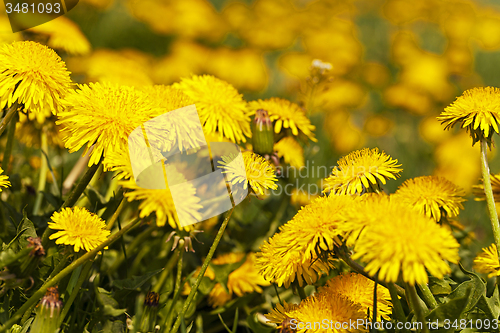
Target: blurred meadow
366 73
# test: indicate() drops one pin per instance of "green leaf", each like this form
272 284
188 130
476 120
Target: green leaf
104 298
206 285
108 310
235 322
490 305
478 289
439 286
27 229
136 281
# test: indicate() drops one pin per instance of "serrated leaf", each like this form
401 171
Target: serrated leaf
478 289
490 305
27 228
439 286
135 282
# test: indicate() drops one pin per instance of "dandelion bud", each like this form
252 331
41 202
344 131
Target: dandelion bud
263 135
48 313
148 321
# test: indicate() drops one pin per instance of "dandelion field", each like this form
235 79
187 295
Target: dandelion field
356 141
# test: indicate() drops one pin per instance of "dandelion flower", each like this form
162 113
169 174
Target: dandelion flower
286 115
359 289
281 261
362 171
278 314
220 107
407 244
478 111
4 180
255 171
433 196
337 308
315 226
160 201
291 151
63 34
487 261
78 227
103 115
32 75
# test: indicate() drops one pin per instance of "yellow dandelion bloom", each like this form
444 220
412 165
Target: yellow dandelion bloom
281 261
286 115
256 171
477 110
315 226
433 196
29 132
291 151
243 280
103 115
359 289
478 190
63 34
78 227
403 243
361 214
333 306
278 314
33 75
4 180
362 171
160 201
487 261
220 107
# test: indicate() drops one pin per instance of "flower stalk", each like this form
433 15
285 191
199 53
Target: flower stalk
490 200
203 269
429 299
416 305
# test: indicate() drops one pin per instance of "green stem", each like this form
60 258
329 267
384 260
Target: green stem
164 274
397 308
301 292
490 200
65 272
429 299
74 195
81 279
179 268
10 143
8 117
42 179
415 304
204 267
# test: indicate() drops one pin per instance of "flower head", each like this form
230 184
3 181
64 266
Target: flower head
359 289
180 214
362 171
433 196
4 180
404 243
252 169
63 34
286 115
78 227
33 75
487 261
326 304
103 115
477 110
220 107
281 261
